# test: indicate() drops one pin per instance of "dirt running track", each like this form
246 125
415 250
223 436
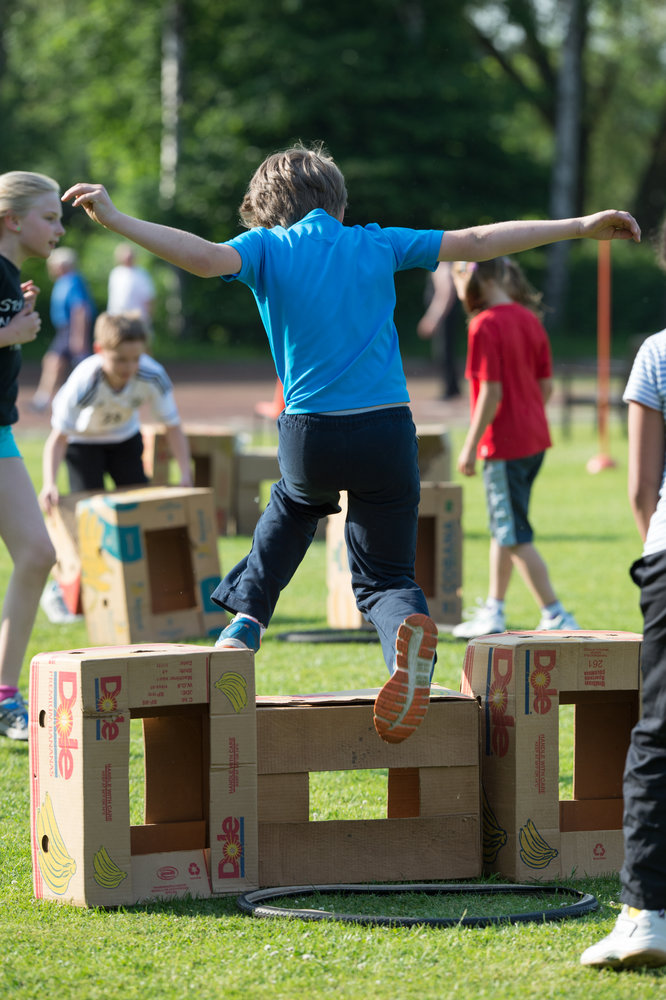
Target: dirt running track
219 393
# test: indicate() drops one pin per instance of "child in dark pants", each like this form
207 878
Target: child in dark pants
326 296
639 935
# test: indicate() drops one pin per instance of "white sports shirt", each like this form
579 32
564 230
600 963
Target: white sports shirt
647 385
88 410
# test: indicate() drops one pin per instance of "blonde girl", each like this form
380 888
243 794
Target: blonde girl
30 226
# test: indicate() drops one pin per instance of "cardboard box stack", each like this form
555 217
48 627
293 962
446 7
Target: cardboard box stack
432 827
199 835
213 452
438 558
521 679
149 563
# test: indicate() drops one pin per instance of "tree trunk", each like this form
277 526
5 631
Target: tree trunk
565 180
172 56
650 202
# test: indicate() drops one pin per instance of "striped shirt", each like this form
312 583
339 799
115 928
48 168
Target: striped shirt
89 411
647 385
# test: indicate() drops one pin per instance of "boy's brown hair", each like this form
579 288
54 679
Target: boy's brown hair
113 330
288 185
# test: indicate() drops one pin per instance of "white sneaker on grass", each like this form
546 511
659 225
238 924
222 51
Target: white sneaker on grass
564 622
638 938
53 605
482 621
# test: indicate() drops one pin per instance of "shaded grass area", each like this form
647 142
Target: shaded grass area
208 949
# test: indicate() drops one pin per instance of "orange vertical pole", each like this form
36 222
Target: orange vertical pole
603 460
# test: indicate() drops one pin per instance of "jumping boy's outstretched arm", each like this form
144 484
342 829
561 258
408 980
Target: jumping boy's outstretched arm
499 238
183 249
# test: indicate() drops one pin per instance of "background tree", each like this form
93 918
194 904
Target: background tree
438 117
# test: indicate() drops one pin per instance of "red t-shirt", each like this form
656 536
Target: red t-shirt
508 344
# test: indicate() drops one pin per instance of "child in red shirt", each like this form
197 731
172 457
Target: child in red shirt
509 370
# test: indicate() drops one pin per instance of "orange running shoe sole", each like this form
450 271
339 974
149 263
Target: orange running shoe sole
402 703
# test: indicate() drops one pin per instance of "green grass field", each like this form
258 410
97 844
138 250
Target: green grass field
208 949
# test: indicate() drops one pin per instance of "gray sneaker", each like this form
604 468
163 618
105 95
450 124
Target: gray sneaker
53 605
14 718
638 938
564 622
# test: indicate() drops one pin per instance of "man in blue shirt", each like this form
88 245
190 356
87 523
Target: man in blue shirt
72 314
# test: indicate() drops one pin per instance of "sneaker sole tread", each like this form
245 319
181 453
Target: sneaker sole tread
402 703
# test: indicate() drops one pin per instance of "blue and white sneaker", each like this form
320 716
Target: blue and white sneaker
14 718
241 633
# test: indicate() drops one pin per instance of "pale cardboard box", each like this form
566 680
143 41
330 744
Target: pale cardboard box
61 526
434 444
521 679
149 564
213 450
438 567
253 467
198 711
432 826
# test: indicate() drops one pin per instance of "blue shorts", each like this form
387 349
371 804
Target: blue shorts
8 447
508 485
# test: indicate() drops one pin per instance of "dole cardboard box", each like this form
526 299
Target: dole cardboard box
521 679
84 849
233 772
438 567
149 564
432 824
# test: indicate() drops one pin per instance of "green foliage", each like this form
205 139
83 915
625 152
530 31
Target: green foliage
430 128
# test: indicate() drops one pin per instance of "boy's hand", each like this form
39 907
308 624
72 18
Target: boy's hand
94 199
610 225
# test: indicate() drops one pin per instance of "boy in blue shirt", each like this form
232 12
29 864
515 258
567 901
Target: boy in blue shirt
326 295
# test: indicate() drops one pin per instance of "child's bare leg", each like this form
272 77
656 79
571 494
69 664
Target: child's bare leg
501 567
53 374
24 533
534 572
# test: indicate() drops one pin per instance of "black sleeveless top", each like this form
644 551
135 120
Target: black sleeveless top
11 303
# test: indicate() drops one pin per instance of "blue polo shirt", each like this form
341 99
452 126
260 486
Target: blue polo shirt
326 296
69 291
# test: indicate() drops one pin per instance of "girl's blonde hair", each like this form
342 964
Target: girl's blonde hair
112 330
509 275
20 189
288 185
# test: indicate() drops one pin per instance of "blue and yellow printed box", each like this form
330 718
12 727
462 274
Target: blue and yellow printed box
199 831
521 679
149 564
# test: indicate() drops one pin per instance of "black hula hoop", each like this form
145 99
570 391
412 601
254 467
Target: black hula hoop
330 635
252 904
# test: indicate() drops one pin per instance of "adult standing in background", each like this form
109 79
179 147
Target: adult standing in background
440 323
131 288
72 314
